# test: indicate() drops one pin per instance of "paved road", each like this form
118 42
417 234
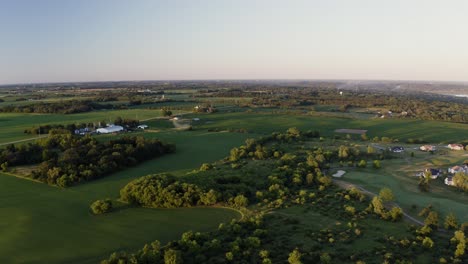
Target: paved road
347 185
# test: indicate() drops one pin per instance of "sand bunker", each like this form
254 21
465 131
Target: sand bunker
339 174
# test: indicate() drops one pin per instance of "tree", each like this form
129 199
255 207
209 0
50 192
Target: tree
378 206
343 152
386 194
427 242
362 164
364 137
432 220
450 222
166 112
101 206
396 213
209 198
241 201
295 257
376 164
4 166
460 181
424 181
172 256
118 121
293 132
370 150
206 166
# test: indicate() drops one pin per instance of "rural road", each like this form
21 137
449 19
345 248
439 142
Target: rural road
347 185
23 140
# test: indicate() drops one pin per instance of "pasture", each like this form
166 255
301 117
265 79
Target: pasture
44 224
402 129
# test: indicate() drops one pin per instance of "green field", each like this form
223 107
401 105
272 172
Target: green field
398 174
402 129
44 224
13 124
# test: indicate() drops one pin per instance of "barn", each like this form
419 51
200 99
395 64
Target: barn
109 129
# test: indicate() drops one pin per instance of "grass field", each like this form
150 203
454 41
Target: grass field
399 177
433 131
44 224
13 124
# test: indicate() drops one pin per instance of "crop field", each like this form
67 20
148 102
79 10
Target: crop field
37 217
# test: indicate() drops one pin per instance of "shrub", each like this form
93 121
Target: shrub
101 206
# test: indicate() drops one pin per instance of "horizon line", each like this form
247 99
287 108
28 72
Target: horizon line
239 79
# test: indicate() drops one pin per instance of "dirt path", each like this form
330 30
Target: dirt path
347 185
165 117
23 140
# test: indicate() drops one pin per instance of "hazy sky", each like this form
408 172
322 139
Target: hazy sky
98 40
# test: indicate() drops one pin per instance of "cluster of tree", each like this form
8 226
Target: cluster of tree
377 206
417 105
65 159
460 181
238 242
164 191
127 122
284 179
101 206
45 129
62 107
256 148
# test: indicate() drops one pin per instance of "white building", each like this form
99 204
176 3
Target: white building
109 129
455 146
457 169
449 181
142 126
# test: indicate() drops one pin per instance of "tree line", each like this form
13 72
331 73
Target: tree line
65 160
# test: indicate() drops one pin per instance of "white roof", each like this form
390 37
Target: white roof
109 129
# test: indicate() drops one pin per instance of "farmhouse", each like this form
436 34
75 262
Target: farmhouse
142 126
457 169
455 146
434 173
397 149
427 148
109 129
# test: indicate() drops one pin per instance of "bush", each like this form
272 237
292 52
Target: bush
101 206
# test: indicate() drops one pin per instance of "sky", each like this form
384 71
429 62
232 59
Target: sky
104 40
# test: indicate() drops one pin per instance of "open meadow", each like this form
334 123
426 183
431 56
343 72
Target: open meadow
49 224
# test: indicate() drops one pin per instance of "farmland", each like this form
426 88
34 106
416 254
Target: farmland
38 217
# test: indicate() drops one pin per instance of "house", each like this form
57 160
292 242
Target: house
427 148
109 129
457 169
456 146
142 126
433 172
196 119
397 149
82 131
449 181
